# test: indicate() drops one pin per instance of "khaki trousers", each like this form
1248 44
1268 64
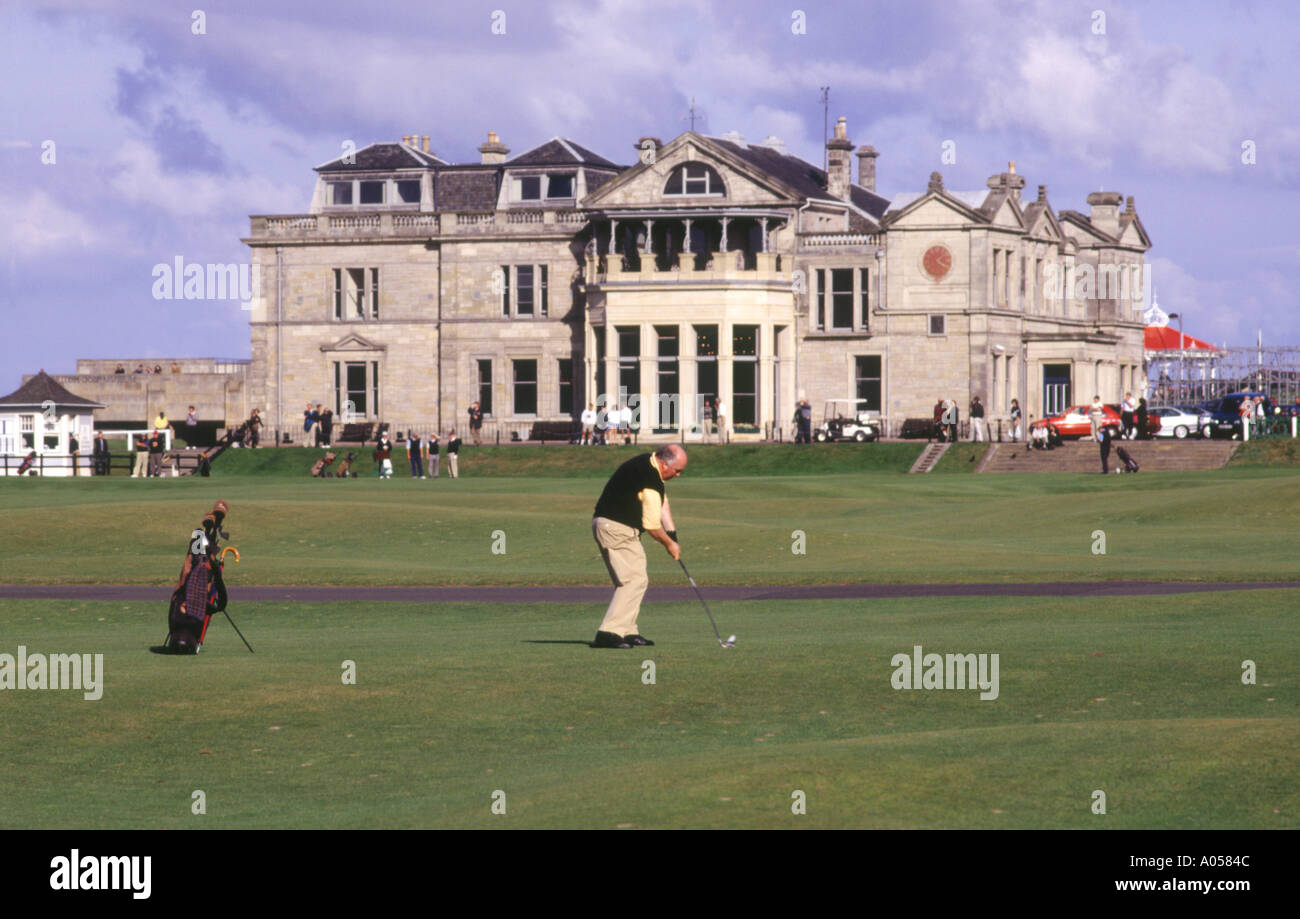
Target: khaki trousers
141 464
452 467
620 547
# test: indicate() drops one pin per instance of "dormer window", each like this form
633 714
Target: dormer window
695 179
372 192
529 188
340 193
408 191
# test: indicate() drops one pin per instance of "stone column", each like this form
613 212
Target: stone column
686 377
686 243
765 382
649 365
725 393
763 223
649 238
725 222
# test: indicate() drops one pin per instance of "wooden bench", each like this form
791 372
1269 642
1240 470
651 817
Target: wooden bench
914 428
356 433
562 431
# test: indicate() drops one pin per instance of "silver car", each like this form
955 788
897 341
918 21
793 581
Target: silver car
1177 422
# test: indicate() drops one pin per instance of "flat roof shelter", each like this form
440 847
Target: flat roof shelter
42 416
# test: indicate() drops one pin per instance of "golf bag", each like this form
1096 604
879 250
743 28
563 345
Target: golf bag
1130 464
200 591
318 470
345 467
27 463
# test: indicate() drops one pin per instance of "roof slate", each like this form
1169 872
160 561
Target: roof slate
43 388
383 156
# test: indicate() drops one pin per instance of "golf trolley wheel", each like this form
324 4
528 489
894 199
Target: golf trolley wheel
1180 432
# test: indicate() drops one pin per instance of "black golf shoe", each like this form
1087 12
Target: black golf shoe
610 640
639 640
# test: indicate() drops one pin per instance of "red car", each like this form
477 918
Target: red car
1074 422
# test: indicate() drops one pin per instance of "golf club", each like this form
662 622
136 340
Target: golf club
731 641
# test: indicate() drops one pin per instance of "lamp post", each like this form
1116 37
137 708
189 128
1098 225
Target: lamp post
1181 356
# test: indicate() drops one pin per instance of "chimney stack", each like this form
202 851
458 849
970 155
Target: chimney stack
1008 181
1042 194
1104 210
493 151
839 171
867 167
424 143
406 140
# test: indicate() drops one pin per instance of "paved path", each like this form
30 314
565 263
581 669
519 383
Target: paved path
664 594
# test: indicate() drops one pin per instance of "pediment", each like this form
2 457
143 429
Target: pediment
643 184
354 342
934 209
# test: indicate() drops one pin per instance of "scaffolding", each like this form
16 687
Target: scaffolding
1192 376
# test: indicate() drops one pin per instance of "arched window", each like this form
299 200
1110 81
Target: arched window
695 179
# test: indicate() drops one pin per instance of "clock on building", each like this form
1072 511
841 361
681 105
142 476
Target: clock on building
937 261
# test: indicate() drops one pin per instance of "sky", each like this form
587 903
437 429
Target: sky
136 132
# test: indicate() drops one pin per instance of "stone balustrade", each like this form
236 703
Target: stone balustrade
386 224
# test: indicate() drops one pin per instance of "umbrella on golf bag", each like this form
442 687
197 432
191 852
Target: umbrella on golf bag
201 589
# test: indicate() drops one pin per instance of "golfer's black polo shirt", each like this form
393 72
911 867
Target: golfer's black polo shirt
634 495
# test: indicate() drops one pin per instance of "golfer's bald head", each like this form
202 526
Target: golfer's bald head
671 456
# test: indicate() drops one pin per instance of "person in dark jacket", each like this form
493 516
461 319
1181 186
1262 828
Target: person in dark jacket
103 459
1104 437
1142 420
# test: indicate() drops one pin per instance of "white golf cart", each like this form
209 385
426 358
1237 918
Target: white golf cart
848 419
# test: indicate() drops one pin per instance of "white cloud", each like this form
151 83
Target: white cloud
137 177
36 225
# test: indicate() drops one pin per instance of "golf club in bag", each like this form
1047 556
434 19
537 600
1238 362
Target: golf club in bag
201 590
731 640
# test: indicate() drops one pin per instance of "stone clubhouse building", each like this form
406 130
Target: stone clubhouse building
710 267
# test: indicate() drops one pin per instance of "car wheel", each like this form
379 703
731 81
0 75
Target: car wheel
1181 431
1207 432
860 437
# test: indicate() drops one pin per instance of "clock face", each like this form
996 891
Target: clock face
937 261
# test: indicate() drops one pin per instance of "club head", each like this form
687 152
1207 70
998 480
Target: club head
729 643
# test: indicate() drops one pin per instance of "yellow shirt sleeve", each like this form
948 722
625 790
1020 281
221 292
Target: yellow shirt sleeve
650 508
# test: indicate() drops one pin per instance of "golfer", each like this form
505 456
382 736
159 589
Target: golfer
634 502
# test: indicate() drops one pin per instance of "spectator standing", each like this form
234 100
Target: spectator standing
1126 416
1015 419
254 428
384 454
706 421
625 423
415 452
1097 415
74 448
949 419
140 469
475 425
139 368
327 426
120 369
453 454
157 368
309 419
976 420
156 447
103 459
588 423
176 368
720 415
939 409
1142 418
432 449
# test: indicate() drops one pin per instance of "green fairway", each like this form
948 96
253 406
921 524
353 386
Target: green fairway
1140 698
1231 524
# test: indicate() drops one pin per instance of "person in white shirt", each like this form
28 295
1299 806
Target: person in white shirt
1127 411
720 415
625 423
588 423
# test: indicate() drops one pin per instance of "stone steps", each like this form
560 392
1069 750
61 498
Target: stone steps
1085 456
929 456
